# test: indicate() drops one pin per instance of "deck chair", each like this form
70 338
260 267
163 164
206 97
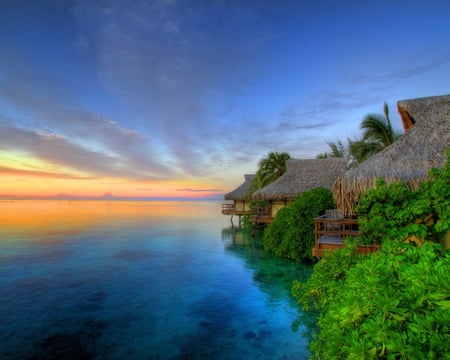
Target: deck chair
333 214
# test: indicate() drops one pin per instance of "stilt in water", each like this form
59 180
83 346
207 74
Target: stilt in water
255 224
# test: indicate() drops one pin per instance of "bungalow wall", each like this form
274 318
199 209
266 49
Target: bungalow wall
277 206
242 205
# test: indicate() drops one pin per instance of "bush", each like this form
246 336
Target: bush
393 212
291 234
327 278
394 304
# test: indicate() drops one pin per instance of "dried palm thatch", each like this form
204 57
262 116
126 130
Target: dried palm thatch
240 193
301 176
409 159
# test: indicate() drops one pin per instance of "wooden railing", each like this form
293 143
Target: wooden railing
341 228
232 209
329 235
228 209
261 215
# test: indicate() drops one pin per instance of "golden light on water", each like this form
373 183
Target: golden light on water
58 214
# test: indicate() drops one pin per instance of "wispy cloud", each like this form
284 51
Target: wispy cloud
43 174
414 65
166 74
199 190
57 150
54 115
184 64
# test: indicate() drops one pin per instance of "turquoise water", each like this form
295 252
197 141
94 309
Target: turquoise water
140 280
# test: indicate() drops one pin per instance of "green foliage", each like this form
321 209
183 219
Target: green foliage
291 234
393 304
327 278
437 194
393 212
378 134
337 150
270 168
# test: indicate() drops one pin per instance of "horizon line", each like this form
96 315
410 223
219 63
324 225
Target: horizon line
109 198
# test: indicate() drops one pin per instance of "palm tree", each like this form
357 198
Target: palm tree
378 134
338 150
271 168
361 150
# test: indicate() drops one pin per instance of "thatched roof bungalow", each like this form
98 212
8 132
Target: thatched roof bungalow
423 147
301 176
241 198
241 192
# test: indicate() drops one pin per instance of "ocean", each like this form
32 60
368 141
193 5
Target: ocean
141 280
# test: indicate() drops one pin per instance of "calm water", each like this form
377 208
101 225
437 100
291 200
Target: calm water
140 280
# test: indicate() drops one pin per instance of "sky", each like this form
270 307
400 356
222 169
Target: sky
181 98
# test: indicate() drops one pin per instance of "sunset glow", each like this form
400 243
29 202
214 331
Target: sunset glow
51 216
26 177
22 185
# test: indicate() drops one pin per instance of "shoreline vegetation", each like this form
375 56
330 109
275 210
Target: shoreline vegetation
394 303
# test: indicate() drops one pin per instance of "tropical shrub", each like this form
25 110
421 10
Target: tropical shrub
393 212
327 278
393 304
291 234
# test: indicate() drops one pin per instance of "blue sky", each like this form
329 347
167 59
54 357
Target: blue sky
181 98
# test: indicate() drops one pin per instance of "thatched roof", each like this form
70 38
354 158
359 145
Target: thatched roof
240 192
423 110
409 159
301 176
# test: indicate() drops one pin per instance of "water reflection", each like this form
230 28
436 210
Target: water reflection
56 216
273 275
129 280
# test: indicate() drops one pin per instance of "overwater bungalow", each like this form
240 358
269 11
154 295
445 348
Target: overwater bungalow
300 176
240 197
423 146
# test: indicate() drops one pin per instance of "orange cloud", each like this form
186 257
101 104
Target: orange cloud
44 174
199 190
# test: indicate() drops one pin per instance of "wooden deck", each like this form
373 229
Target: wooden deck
329 234
230 209
261 215
258 215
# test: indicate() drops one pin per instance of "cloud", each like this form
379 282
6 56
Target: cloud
170 62
174 70
165 75
45 174
52 114
60 151
199 190
421 65
398 70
